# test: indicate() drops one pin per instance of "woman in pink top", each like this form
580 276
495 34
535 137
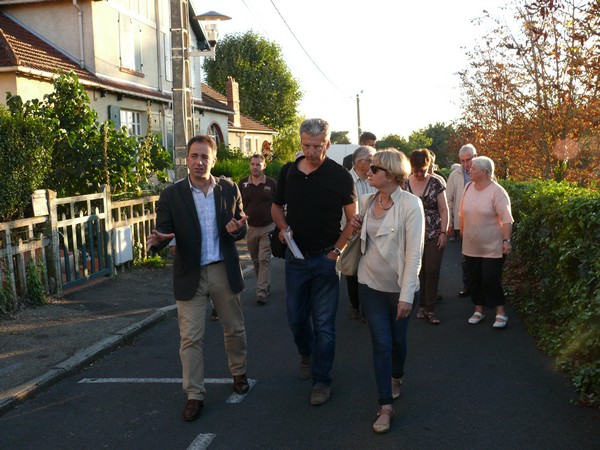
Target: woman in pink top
486 226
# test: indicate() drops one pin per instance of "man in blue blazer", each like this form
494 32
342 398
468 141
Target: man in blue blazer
205 216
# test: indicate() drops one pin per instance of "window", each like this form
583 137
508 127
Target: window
130 43
167 52
247 146
132 120
215 132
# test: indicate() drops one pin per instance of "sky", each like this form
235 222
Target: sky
401 58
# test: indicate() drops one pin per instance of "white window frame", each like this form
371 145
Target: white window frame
132 120
130 43
247 146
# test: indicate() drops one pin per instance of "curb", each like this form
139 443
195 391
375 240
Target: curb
13 397
17 395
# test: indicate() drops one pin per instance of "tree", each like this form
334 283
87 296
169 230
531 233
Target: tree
340 137
268 91
531 95
393 140
287 142
418 139
441 143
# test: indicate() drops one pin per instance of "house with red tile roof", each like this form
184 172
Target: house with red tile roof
244 133
121 53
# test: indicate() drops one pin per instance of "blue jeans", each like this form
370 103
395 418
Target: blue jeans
312 288
388 337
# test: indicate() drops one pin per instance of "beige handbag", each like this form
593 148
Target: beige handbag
347 262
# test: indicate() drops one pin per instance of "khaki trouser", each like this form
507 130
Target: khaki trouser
259 248
191 315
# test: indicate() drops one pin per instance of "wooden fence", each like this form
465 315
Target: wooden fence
72 240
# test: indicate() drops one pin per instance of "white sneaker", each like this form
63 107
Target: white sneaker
476 318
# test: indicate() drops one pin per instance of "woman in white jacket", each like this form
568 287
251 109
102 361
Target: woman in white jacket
392 231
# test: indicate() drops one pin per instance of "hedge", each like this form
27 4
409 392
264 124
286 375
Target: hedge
553 274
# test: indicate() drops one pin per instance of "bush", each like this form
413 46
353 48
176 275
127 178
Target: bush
24 162
232 164
84 153
555 269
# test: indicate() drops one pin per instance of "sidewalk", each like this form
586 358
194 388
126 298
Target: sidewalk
40 346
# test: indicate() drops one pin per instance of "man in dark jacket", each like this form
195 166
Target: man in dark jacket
205 215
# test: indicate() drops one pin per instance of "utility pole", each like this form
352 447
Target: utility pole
358 114
182 84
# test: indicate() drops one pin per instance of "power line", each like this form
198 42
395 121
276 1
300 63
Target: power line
255 18
303 49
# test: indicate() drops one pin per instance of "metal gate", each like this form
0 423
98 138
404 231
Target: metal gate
83 238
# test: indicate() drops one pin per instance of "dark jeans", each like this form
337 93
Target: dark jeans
388 337
312 288
352 283
486 281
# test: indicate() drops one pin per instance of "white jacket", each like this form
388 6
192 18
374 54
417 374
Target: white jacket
454 190
399 239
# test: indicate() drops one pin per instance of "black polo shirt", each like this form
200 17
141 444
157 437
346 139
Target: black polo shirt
315 202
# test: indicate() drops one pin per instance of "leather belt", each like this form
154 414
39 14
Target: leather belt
211 263
317 252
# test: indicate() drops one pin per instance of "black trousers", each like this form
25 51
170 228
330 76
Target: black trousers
486 281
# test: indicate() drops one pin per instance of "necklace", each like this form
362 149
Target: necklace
383 207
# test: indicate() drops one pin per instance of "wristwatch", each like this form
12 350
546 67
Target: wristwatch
336 250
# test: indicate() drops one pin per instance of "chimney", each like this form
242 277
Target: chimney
233 101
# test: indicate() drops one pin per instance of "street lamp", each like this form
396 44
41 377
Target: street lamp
209 22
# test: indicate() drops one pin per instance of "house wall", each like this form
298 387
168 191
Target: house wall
27 88
256 140
107 45
57 22
203 123
53 20
7 84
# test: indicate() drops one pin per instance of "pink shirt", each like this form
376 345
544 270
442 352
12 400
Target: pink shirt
483 213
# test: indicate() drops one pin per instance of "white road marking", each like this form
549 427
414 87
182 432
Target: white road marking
202 441
158 380
236 398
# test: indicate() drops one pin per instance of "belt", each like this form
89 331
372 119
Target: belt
211 263
317 252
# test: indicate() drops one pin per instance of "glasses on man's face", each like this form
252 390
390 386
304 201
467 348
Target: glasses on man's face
368 161
468 160
317 148
375 169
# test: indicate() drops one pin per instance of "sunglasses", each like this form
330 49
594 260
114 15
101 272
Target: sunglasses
375 169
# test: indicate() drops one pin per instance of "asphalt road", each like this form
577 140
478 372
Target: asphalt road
465 387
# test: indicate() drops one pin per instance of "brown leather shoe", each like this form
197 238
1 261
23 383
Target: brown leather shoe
240 384
192 410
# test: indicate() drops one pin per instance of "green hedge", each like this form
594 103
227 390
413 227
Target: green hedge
236 167
24 161
554 273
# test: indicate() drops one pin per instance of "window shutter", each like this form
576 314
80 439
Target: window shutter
114 114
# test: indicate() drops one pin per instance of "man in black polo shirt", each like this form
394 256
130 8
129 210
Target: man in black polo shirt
315 192
257 195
